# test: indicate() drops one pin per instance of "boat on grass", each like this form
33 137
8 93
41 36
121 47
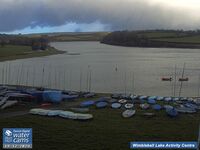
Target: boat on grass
128 113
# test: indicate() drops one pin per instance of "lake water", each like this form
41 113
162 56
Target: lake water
104 68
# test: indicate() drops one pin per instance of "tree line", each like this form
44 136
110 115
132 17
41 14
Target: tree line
38 43
140 38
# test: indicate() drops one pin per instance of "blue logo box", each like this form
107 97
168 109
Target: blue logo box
163 145
17 138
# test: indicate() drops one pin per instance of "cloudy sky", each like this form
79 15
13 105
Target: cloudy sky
27 16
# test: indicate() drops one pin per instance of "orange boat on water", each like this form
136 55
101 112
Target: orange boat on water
183 79
166 79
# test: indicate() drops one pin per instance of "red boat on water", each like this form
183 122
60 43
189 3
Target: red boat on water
183 79
166 79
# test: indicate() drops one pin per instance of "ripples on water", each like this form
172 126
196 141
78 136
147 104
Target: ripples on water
112 68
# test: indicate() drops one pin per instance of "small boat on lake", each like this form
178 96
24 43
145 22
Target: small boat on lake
166 78
183 79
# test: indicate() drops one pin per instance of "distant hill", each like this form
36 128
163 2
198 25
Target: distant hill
71 36
154 38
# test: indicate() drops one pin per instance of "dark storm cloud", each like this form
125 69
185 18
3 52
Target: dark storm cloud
118 14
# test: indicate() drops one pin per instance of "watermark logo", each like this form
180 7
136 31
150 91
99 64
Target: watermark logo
164 145
8 133
17 138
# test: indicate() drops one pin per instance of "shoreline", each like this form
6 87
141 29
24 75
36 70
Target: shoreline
97 93
50 51
154 39
179 46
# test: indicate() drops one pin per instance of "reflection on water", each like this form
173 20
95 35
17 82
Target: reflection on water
105 68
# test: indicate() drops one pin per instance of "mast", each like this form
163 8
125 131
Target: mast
9 73
6 73
198 87
87 80
17 77
34 76
3 75
64 86
80 80
133 81
90 78
21 74
175 81
125 83
182 81
70 77
43 75
116 79
27 76
171 84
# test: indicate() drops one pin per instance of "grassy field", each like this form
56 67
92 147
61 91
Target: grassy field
158 34
12 52
107 131
190 39
172 37
79 36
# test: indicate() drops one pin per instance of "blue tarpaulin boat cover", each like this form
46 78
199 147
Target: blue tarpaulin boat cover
101 104
156 107
151 101
52 96
116 105
87 103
